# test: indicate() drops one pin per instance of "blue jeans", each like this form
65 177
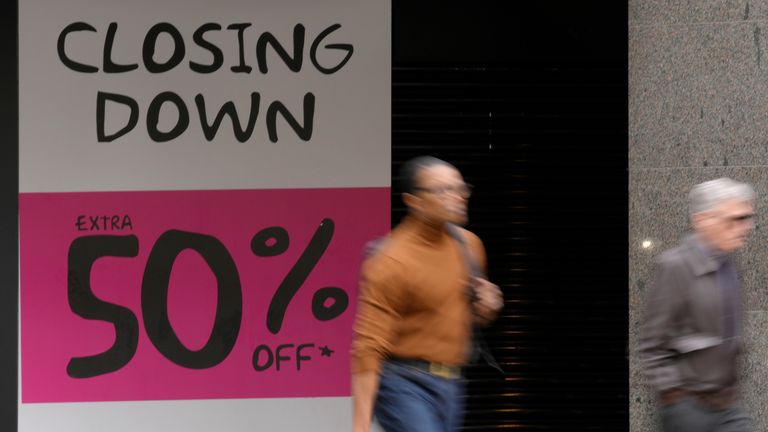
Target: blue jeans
411 400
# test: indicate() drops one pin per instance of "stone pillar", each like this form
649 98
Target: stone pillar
698 109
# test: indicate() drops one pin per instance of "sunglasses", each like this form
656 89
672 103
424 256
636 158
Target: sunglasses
464 190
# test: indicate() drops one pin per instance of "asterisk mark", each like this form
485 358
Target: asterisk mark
325 351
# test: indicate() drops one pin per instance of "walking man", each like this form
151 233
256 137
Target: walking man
690 340
419 299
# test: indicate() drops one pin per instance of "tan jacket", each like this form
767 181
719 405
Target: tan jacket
681 340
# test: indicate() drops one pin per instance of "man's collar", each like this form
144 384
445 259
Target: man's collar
426 233
704 259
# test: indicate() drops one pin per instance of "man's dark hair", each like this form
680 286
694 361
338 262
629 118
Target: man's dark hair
409 170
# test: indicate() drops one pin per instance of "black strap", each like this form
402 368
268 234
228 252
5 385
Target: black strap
479 347
373 246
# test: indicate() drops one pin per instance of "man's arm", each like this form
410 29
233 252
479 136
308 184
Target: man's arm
364 388
378 309
659 326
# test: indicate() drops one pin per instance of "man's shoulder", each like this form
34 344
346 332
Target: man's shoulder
383 251
382 264
466 236
675 257
672 255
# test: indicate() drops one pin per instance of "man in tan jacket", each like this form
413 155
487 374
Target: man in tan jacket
690 339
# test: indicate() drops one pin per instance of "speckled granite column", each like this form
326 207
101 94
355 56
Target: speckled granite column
698 109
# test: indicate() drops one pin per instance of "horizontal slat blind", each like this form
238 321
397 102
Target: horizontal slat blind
545 148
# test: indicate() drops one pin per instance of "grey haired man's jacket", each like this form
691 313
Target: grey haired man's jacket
681 341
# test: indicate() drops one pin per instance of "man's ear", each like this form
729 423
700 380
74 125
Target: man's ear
410 200
700 220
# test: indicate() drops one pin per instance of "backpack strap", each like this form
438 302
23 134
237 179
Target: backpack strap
372 247
479 347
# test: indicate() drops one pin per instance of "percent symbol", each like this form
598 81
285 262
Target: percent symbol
274 241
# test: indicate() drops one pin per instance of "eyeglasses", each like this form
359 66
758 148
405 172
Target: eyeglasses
463 190
741 218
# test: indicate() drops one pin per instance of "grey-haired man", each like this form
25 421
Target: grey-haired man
690 340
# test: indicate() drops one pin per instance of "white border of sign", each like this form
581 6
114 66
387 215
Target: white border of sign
59 150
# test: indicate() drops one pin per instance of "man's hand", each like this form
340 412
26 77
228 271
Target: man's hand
365 386
488 303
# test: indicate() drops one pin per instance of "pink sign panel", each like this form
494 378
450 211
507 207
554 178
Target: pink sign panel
191 294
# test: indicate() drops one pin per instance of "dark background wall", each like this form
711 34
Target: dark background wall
529 101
